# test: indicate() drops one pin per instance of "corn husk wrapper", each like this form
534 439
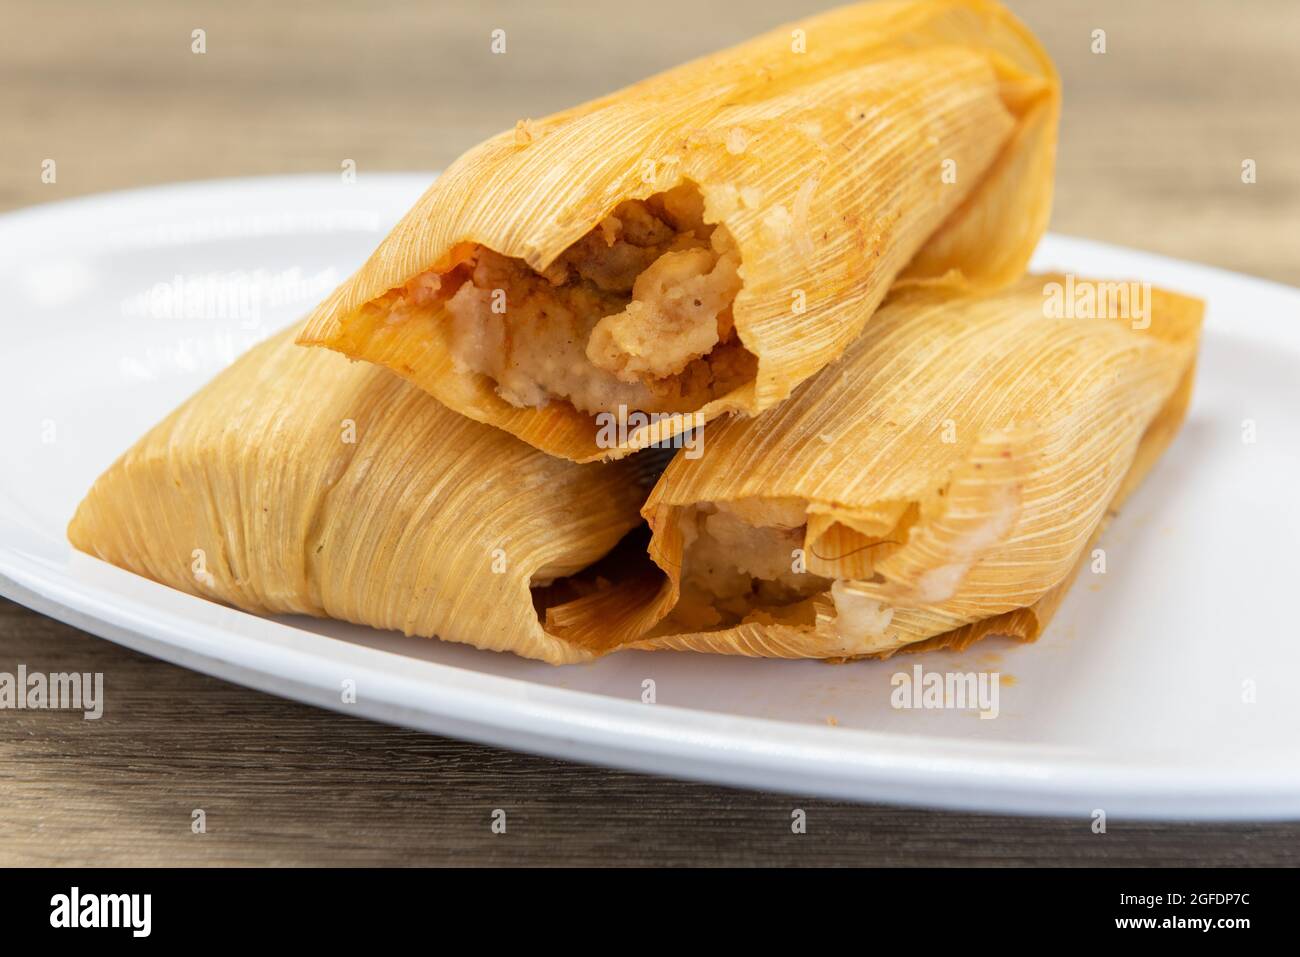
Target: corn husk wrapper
299 482
835 150
1005 438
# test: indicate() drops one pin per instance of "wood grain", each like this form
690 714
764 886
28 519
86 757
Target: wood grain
1154 134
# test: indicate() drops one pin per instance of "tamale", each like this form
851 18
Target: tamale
701 242
299 482
942 482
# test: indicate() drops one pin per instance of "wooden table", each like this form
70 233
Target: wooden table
1154 135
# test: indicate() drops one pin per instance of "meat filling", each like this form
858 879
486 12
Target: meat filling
745 561
636 313
740 559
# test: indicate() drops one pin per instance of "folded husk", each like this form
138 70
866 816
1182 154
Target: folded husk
300 482
1015 435
827 166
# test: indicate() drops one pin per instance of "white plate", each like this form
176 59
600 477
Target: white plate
1133 702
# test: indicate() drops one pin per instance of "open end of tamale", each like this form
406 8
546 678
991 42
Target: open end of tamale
772 564
742 559
626 559
766 560
609 603
636 315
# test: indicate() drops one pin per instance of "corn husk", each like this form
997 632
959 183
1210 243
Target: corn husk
1007 435
835 150
299 482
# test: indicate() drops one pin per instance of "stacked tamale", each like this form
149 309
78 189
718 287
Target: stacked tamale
799 262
